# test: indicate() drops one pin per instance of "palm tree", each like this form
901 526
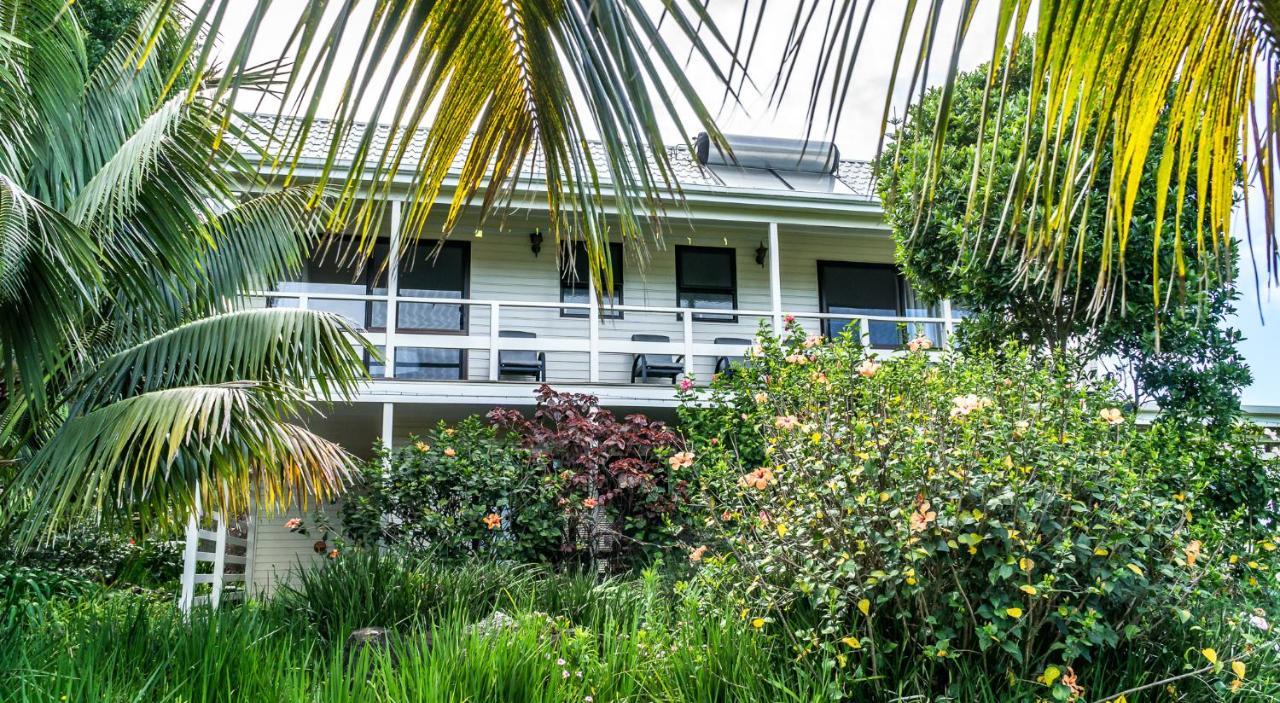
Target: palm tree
130 380
529 77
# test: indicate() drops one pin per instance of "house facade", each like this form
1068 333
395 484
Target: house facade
481 318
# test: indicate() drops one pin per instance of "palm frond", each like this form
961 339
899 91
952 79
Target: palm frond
151 454
506 85
278 346
1104 71
49 277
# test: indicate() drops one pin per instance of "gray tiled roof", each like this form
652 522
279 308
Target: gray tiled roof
856 175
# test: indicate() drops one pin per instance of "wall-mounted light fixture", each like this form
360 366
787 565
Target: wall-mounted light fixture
535 241
761 252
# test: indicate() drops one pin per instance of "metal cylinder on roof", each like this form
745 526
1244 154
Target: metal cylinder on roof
777 153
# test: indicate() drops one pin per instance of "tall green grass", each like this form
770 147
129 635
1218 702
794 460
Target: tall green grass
633 639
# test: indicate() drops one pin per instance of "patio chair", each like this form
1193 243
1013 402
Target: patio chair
725 364
521 362
646 366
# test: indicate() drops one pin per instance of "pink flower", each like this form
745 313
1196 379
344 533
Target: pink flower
868 368
590 503
685 384
965 404
333 554
786 422
919 344
696 555
1111 416
449 451
800 359
293 523
788 318
812 341
681 460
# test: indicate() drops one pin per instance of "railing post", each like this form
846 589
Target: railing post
303 301
593 334
493 341
948 325
864 331
393 293
775 279
187 594
219 559
688 343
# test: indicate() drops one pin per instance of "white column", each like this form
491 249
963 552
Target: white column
688 344
388 423
593 333
948 325
494 321
775 278
187 594
393 292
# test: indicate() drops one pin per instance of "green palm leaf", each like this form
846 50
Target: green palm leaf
149 455
278 346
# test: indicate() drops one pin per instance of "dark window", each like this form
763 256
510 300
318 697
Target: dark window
575 279
422 364
428 273
706 277
855 289
333 269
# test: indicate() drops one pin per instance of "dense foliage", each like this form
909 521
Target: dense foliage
1175 346
914 518
569 483
458 491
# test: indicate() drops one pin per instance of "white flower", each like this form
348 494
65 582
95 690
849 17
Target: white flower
1259 622
560 662
965 404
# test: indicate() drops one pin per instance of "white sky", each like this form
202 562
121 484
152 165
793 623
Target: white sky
858 132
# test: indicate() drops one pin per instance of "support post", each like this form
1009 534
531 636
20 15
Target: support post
393 292
948 325
250 544
775 279
219 559
593 333
187 594
688 343
494 322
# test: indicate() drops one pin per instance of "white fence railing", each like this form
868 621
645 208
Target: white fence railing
210 546
594 334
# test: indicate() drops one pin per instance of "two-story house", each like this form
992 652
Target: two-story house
789 229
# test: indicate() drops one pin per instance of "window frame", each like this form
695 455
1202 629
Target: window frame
898 293
465 310
732 290
618 260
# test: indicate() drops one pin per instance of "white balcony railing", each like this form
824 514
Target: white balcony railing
590 336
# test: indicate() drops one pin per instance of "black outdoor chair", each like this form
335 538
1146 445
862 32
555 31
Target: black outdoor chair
647 366
725 364
521 362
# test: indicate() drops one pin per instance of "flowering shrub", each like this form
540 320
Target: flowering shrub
620 481
458 491
937 514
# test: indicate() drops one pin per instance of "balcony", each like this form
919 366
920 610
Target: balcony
461 340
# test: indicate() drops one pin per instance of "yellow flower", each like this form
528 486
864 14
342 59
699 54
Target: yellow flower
757 623
1111 416
782 530
422 446
493 521
816 437
1014 612
761 398
868 368
1192 552
864 605
1238 668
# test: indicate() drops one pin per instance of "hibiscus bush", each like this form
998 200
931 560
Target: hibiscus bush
909 519
458 491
